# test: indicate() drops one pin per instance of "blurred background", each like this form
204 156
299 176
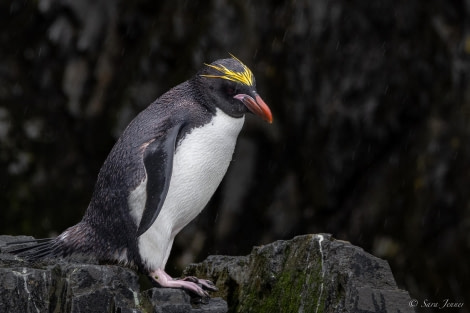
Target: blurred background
370 140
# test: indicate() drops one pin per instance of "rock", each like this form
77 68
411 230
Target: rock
310 273
65 286
178 301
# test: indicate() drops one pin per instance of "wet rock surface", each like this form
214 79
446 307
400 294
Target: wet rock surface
310 273
62 286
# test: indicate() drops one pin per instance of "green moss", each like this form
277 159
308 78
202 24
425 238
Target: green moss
295 289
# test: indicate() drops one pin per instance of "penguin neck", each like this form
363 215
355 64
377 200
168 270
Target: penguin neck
201 97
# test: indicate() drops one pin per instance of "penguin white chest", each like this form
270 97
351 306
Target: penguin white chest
200 162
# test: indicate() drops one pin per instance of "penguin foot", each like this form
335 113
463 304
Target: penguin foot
204 283
191 283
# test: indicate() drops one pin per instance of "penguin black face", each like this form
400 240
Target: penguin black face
232 87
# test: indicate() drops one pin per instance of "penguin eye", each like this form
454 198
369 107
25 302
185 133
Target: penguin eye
230 90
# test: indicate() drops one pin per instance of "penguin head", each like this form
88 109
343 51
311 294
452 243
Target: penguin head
232 88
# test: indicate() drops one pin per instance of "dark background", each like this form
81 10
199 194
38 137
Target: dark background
371 132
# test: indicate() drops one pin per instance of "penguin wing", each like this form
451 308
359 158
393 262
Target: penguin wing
158 162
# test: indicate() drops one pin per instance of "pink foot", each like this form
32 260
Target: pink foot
190 283
206 284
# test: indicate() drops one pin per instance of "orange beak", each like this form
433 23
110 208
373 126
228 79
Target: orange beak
257 106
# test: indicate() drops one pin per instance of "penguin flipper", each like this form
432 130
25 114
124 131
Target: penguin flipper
158 162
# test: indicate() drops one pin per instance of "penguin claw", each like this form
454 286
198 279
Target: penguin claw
204 283
192 284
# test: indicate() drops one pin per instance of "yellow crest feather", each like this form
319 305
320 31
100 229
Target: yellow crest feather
244 77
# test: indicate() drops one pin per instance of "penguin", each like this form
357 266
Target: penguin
161 173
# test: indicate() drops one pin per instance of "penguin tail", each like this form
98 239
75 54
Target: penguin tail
36 248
